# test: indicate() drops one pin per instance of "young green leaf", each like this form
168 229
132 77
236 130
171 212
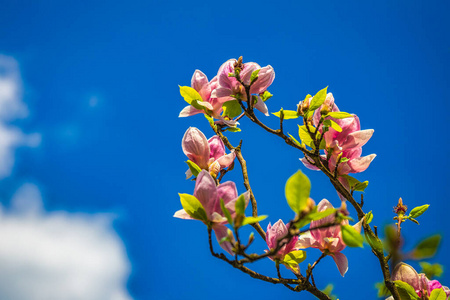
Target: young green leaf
406 291
355 184
189 94
294 140
314 216
287 114
297 191
240 205
226 212
254 76
193 207
233 129
369 217
304 135
252 220
438 294
374 242
339 115
231 109
296 257
351 237
332 124
427 247
431 270
419 210
195 170
266 96
318 99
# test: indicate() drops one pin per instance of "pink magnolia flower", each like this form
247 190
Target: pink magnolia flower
328 240
228 87
277 232
348 143
200 83
209 196
207 154
419 282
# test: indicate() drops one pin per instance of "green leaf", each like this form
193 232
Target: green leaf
294 140
254 75
252 220
369 217
231 109
355 184
193 207
339 115
431 270
406 291
438 294
189 94
351 237
233 129
240 205
318 99
374 242
266 96
304 135
293 258
332 124
419 210
287 114
226 212
414 220
314 216
427 247
195 170
297 191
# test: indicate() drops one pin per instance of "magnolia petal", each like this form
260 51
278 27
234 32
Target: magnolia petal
231 205
205 104
226 160
305 241
206 192
199 82
216 146
221 231
188 173
228 192
360 164
189 111
307 164
182 214
357 139
196 147
247 71
341 262
230 123
261 106
265 78
226 68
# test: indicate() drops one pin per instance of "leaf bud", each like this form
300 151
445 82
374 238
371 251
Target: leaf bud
325 109
400 209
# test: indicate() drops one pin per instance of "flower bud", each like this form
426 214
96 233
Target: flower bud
325 109
406 273
400 209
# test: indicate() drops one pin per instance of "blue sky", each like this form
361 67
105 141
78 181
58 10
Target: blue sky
99 81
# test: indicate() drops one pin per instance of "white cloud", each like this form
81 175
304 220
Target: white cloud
11 108
59 255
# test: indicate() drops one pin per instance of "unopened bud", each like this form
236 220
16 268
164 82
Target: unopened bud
251 238
400 209
214 169
406 273
305 105
325 109
310 205
343 209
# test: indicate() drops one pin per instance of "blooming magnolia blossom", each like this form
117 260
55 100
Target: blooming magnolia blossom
229 87
209 196
328 240
347 143
419 282
277 232
207 154
200 83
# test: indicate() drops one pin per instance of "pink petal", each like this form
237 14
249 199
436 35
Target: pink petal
341 262
182 214
228 192
261 106
265 79
223 93
226 68
308 165
196 147
221 231
247 71
226 160
357 139
189 111
305 240
216 146
360 164
199 82
205 104
206 192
